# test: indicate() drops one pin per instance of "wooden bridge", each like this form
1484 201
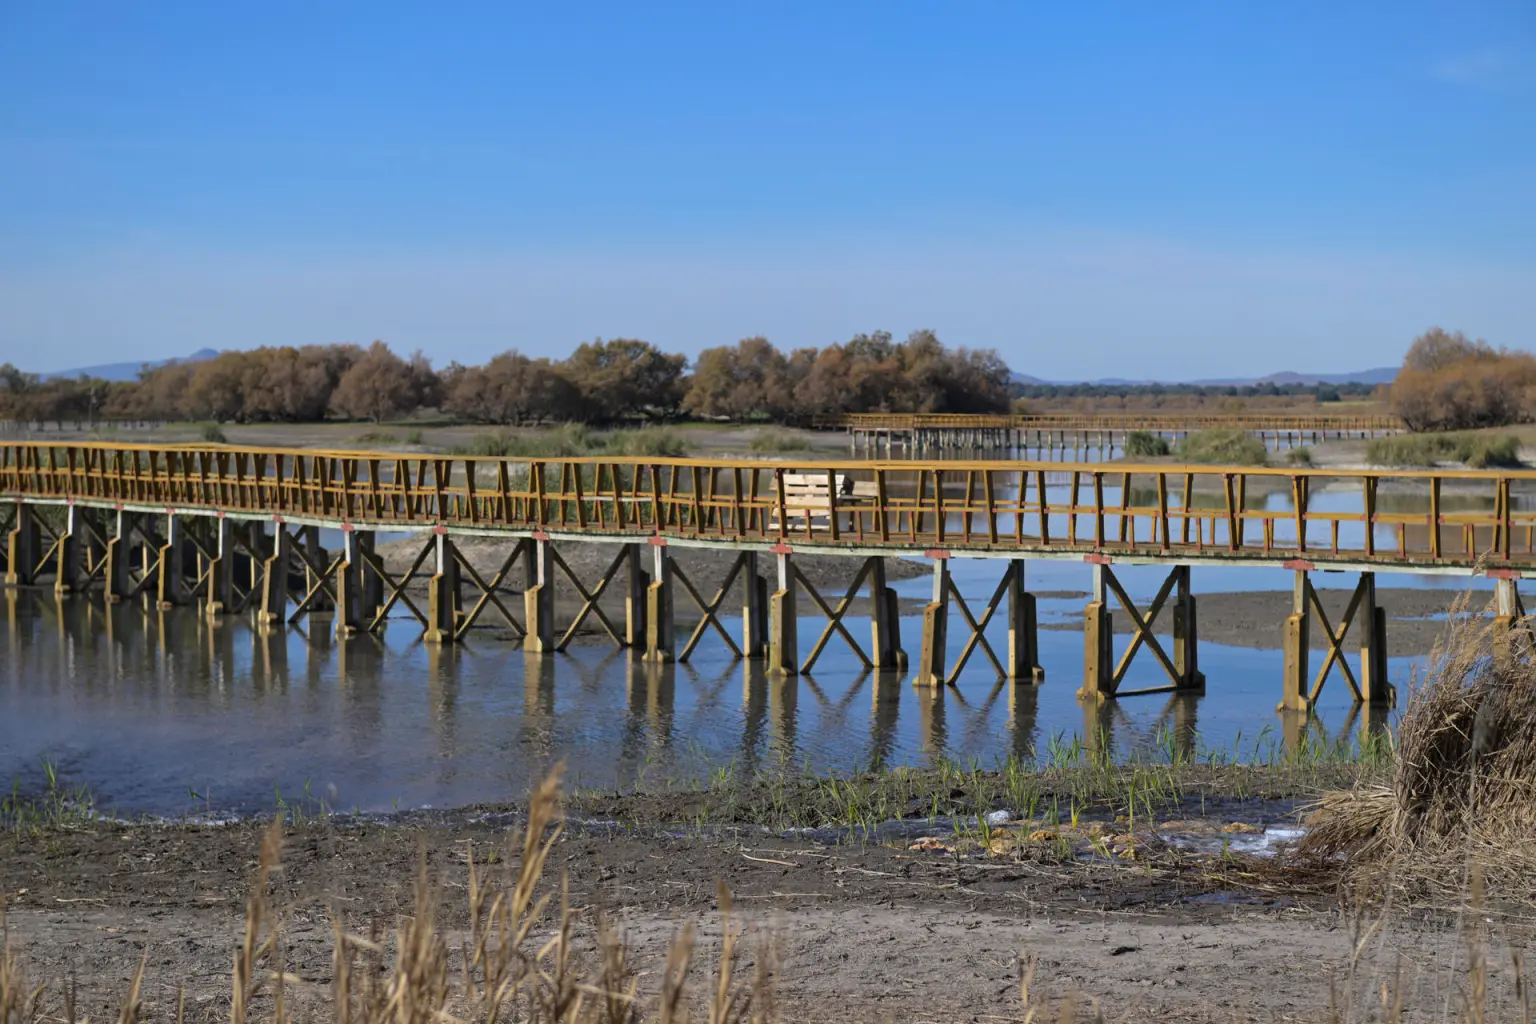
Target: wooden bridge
237 530
918 431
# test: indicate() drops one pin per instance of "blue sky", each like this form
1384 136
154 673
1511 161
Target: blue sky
1148 190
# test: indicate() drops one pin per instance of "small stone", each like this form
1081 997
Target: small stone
1243 827
931 844
1002 844
1044 835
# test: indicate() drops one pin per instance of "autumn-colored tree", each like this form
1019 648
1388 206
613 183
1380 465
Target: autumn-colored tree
741 381
1450 382
378 386
625 377
511 388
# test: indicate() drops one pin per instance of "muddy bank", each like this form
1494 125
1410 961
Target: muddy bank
862 933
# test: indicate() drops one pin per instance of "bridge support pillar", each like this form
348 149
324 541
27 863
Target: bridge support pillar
884 622
635 598
21 547
170 562
274 579
1186 636
783 623
118 579
1098 642
317 556
1296 694
352 607
67 554
1023 629
221 570
660 636
539 598
443 595
754 609
1373 645
931 650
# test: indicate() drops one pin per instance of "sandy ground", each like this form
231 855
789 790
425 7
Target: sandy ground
863 933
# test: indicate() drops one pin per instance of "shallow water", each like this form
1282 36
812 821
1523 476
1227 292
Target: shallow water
163 713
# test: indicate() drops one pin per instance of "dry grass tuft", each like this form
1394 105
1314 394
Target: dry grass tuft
1464 784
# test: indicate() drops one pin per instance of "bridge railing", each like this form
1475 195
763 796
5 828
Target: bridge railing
1159 511
1320 423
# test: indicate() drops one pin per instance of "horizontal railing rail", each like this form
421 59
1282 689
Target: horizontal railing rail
1165 421
1453 518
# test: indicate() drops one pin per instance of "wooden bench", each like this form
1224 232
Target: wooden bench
808 498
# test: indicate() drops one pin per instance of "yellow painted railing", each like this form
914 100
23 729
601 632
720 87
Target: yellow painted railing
1400 518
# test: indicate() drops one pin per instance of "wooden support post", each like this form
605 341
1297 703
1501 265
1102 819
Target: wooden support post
884 621
168 573
371 582
321 602
353 613
659 632
754 609
1296 692
220 596
443 596
21 547
1506 604
931 652
274 579
118 580
539 598
1186 636
1098 643
67 556
635 598
1023 629
1373 646
783 622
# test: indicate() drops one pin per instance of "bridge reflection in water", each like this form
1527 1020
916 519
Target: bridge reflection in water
169 712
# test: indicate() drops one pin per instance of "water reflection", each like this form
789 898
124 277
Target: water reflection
147 707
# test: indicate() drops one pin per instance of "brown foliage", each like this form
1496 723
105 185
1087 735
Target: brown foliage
510 389
380 385
625 377
1449 382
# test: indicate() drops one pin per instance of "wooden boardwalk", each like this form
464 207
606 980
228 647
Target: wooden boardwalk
237 529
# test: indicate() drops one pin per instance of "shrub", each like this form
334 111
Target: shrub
1140 444
1299 456
414 437
571 440
646 441
1224 447
775 439
1479 451
213 434
376 437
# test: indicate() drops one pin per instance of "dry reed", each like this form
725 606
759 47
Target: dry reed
1463 787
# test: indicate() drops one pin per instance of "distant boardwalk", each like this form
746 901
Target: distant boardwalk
238 530
1067 430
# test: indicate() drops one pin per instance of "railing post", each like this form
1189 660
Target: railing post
1098 642
1373 646
783 625
21 547
659 631
931 650
539 597
1186 635
1296 684
754 609
1023 629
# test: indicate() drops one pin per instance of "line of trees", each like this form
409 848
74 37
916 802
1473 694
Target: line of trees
1451 382
601 381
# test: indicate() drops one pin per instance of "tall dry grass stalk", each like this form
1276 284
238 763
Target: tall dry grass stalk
1463 788
522 958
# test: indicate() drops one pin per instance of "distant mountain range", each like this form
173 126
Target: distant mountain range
129 371
1380 375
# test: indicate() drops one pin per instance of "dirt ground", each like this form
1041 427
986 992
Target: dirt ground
863 933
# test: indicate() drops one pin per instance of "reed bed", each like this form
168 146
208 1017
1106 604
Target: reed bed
1462 790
